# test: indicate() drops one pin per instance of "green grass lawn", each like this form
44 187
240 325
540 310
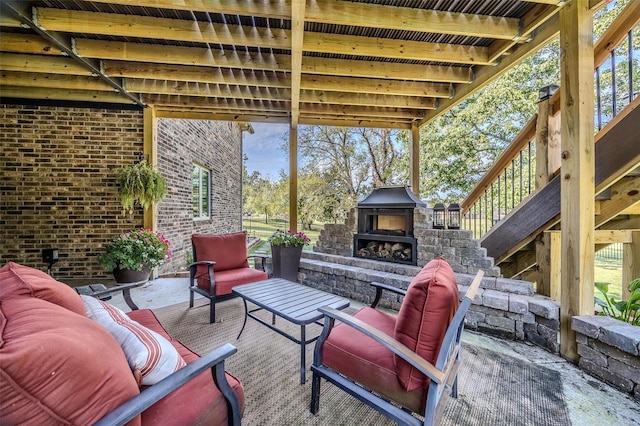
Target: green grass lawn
256 227
609 271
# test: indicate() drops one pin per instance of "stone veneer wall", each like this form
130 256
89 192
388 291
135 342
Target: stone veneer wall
609 349
57 174
502 307
463 253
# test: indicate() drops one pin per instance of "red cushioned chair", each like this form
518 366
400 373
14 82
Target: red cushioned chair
401 364
220 263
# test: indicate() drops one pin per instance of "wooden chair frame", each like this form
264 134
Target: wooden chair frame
443 375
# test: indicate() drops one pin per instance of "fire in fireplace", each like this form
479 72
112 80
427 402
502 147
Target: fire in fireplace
385 225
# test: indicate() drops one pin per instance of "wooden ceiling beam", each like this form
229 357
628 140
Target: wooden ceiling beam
41 64
213 75
54 81
391 113
260 118
357 99
183 101
398 49
411 19
386 70
113 24
354 123
27 43
63 94
178 55
171 87
297 40
196 31
379 86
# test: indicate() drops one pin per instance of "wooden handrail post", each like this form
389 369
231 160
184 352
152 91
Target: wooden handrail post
547 137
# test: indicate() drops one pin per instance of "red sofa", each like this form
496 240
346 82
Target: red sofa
57 366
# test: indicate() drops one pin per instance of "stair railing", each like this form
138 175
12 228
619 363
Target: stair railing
533 157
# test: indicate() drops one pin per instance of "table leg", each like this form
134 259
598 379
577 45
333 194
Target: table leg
303 350
127 298
246 313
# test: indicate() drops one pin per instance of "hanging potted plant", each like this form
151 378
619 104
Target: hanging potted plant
132 255
140 183
286 250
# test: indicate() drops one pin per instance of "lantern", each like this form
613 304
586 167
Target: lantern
439 213
453 216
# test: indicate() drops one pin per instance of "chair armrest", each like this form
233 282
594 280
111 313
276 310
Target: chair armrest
214 360
379 287
424 366
263 257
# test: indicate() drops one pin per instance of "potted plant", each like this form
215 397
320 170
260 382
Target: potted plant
140 183
286 250
132 255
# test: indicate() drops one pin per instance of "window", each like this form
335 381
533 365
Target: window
201 194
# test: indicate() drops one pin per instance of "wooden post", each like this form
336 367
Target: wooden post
548 253
630 263
547 137
150 150
414 160
578 169
293 178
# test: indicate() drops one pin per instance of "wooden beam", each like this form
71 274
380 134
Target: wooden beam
518 263
411 19
630 263
114 24
578 170
53 81
293 178
338 44
63 95
616 32
366 111
150 149
216 103
376 86
28 43
343 98
355 123
140 52
297 39
169 87
548 255
625 193
386 70
203 115
41 64
414 160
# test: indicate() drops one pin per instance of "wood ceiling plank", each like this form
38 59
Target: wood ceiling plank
53 81
386 70
397 49
114 24
183 101
411 19
354 123
196 73
179 55
171 87
27 43
393 113
343 98
260 118
370 85
42 64
63 95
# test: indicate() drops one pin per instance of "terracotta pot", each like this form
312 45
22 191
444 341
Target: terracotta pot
130 276
286 261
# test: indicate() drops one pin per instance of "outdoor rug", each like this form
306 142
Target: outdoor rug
494 389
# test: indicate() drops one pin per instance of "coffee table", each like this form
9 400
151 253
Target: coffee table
292 301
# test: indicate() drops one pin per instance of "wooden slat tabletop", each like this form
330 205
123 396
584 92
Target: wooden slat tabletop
292 301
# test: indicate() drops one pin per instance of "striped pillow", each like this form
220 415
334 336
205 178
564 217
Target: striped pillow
150 356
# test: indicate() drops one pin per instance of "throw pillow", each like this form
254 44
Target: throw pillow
150 355
22 280
431 302
57 367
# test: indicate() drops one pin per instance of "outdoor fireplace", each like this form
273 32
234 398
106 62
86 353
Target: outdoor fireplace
385 226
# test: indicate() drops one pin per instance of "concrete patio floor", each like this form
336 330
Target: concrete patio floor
590 401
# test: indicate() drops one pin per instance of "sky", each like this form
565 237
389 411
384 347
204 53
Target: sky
263 148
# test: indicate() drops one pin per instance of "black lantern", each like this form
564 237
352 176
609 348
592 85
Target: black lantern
50 256
439 216
546 92
453 216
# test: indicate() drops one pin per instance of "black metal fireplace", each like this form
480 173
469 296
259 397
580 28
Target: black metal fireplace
385 226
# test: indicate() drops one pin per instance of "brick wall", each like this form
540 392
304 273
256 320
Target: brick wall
214 145
57 182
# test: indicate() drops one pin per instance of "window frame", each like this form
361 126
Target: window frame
202 215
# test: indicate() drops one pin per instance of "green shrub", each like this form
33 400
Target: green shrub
624 310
